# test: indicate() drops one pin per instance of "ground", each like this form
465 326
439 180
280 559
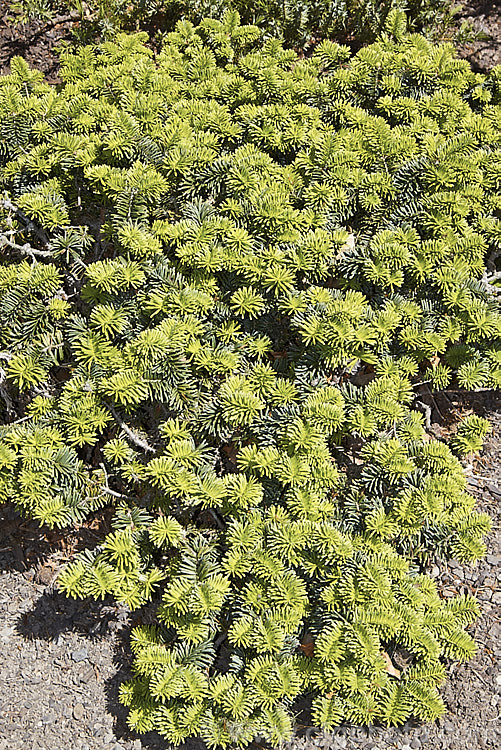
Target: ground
484 16
62 661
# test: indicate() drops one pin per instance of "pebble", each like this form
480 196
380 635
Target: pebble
493 559
5 633
87 675
80 655
78 711
415 743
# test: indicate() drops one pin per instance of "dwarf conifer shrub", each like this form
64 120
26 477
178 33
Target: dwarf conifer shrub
306 22
224 272
297 22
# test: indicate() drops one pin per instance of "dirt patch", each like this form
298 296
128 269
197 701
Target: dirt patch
36 41
485 17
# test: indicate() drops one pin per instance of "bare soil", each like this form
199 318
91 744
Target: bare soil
36 42
485 17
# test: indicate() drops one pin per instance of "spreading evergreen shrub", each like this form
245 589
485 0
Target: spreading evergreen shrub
306 22
300 23
225 271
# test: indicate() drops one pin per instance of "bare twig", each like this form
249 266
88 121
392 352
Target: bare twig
3 393
493 277
427 412
30 225
25 249
107 490
130 433
488 279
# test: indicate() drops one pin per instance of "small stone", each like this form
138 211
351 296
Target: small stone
48 719
5 633
493 489
415 743
435 571
498 679
449 726
87 675
496 597
448 593
78 711
406 747
493 559
136 745
80 655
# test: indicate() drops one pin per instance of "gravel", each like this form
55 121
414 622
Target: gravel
61 661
